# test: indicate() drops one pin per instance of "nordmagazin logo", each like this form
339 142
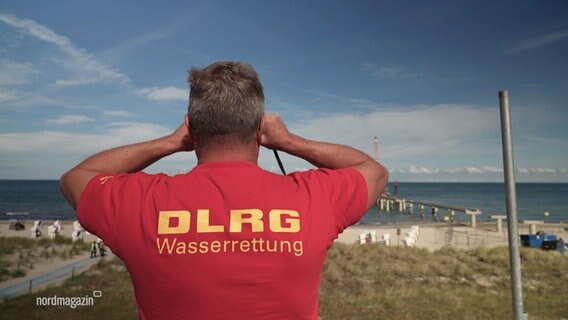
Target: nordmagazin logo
72 302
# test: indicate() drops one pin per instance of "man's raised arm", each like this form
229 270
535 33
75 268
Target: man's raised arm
275 135
125 159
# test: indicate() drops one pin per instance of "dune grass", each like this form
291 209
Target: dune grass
370 282
18 254
364 282
109 276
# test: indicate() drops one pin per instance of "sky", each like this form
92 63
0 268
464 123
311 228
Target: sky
79 77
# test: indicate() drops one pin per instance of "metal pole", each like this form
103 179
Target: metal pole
511 201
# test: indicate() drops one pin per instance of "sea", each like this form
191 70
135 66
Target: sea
42 200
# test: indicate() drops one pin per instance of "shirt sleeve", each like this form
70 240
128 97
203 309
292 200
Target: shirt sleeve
344 189
107 199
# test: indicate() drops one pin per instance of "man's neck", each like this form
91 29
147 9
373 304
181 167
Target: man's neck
230 154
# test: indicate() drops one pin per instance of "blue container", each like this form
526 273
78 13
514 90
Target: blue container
537 240
531 240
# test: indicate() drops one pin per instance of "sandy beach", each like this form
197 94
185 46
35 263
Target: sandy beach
431 236
66 229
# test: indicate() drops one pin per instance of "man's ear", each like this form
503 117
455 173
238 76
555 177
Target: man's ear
188 125
260 131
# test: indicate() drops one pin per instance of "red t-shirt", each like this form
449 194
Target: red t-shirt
225 240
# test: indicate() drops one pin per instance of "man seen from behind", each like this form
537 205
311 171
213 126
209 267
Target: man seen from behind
226 240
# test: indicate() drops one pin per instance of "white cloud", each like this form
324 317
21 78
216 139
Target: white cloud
69 148
387 71
472 170
409 132
85 67
70 119
422 170
117 113
155 34
490 169
523 170
541 170
15 73
536 42
453 170
167 93
80 143
8 95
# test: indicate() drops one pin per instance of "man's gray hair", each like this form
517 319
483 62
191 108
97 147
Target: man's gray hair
225 98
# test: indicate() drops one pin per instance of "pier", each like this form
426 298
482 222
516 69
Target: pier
388 203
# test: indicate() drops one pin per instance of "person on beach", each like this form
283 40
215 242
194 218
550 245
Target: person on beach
226 240
101 247
395 188
93 249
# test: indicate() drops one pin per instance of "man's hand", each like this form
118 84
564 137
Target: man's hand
275 135
181 139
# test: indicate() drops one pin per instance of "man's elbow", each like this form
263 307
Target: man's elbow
66 190
382 178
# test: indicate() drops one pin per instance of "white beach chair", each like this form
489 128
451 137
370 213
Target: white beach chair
373 236
386 238
58 225
53 231
77 226
408 241
416 229
76 235
78 231
413 233
363 238
36 229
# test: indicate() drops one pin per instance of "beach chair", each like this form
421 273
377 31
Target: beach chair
408 241
78 231
363 238
76 235
36 229
386 239
415 227
53 230
413 233
411 237
77 226
373 236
